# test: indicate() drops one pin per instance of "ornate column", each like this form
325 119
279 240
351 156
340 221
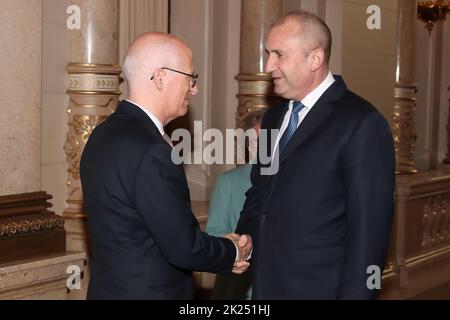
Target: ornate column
93 92
447 158
404 128
255 86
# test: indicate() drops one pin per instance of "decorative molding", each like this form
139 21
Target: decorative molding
26 221
428 257
436 221
80 128
404 127
22 204
29 225
255 88
93 83
255 92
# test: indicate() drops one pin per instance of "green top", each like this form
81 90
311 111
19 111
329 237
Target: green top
227 200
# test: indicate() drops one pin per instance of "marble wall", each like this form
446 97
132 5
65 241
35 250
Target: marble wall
55 56
20 95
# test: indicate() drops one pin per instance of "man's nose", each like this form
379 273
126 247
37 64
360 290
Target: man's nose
270 64
194 89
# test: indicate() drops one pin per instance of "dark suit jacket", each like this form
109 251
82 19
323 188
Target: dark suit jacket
325 217
145 240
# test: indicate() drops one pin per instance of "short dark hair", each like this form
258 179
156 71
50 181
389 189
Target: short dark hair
308 23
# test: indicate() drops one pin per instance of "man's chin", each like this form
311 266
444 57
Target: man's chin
279 91
184 110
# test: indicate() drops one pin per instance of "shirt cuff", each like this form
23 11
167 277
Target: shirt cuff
237 251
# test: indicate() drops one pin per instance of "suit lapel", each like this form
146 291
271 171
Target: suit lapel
309 125
318 115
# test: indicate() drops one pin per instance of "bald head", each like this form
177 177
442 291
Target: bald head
150 51
311 29
159 72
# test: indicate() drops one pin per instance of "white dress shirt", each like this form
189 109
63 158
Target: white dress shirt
309 101
155 120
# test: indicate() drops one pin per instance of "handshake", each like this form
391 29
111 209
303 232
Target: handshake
244 245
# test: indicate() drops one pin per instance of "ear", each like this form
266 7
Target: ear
158 79
317 59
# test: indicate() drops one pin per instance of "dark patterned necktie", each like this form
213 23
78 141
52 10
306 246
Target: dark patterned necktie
291 127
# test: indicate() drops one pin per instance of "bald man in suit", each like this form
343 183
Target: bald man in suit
145 240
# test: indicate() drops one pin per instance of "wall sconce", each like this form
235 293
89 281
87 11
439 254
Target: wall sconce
432 11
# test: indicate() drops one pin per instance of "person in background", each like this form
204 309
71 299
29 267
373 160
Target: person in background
226 203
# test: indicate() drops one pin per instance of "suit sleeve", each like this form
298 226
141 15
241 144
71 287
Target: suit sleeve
369 177
250 214
249 218
162 199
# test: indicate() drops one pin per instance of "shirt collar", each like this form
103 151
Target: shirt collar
311 98
155 120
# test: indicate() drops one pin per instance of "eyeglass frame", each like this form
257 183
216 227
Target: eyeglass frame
193 77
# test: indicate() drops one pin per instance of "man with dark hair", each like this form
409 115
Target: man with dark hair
325 217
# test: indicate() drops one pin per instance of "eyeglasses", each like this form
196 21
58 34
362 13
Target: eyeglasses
193 77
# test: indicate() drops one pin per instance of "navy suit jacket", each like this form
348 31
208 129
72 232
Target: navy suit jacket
325 217
145 241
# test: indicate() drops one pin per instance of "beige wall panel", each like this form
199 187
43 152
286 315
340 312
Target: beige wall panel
20 95
368 56
197 32
55 56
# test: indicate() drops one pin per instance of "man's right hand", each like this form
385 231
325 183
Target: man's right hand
245 247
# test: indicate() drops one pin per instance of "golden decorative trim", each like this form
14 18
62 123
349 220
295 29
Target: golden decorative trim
93 83
93 65
80 128
426 257
93 93
255 88
404 129
75 216
436 221
254 77
389 273
405 93
399 84
29 225
250 106
93 68
250 96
